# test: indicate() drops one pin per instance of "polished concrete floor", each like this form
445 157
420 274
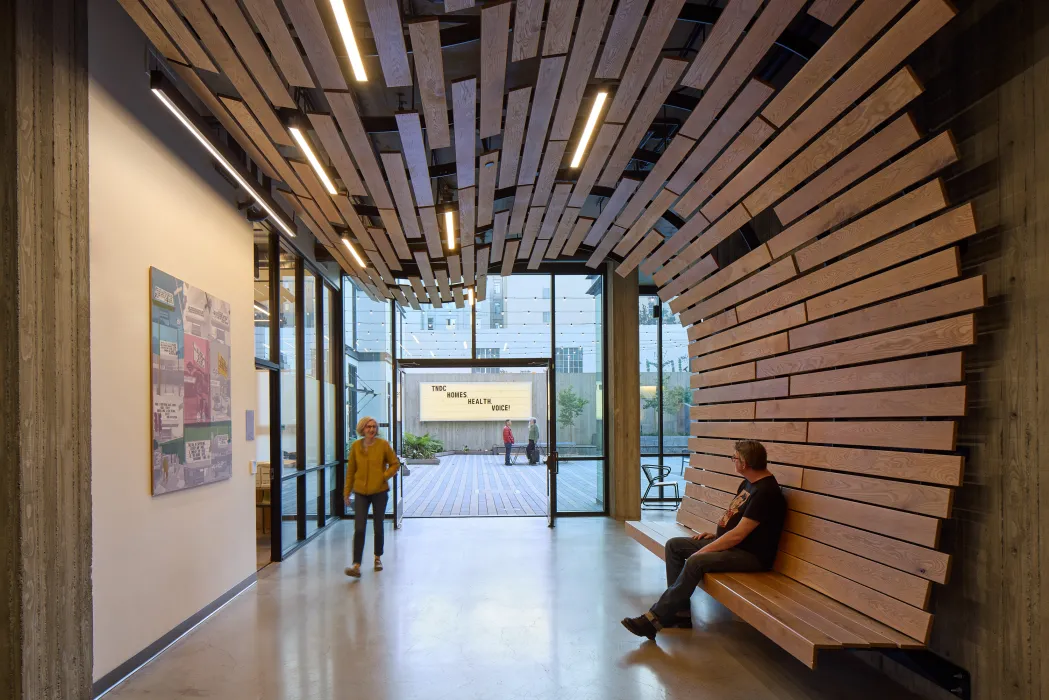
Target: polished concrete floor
481 608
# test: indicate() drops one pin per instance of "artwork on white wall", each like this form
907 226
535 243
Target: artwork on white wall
190 380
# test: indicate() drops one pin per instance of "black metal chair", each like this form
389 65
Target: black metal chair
656 473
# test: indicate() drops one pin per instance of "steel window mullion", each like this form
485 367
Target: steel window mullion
659 381
300 399
276 459
338 344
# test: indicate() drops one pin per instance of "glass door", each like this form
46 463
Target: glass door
267 450
477 436
398 447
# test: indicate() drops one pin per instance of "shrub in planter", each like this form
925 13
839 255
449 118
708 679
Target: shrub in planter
421 446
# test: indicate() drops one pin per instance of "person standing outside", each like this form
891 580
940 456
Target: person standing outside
508 440
533 441
369 468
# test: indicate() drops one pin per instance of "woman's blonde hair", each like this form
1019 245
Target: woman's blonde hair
363 422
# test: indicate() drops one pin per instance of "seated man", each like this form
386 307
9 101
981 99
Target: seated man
746 540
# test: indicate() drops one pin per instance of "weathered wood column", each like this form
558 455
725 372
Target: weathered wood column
624 398
45 405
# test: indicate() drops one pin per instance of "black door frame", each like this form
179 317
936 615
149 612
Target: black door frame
546 363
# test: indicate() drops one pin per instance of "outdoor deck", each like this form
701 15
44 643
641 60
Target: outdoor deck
481 485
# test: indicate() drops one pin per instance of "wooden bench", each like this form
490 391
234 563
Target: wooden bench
856 559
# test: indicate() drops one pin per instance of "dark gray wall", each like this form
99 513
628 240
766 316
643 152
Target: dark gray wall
987 79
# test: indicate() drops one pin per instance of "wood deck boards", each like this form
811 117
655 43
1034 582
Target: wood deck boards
481 485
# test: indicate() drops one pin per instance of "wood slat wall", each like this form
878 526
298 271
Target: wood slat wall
851 316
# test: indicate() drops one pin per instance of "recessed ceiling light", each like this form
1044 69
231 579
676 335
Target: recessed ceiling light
449 229
304 146
353 251
342 19
588 130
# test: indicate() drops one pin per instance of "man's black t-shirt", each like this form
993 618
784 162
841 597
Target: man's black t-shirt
762 501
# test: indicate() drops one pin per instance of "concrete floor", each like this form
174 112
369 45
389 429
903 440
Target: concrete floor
481 608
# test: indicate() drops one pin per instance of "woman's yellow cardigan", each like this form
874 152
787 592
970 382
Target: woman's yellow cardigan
369 469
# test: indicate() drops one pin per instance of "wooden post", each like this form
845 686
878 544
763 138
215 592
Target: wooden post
45 404
624 398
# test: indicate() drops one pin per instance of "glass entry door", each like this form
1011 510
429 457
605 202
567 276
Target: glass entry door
478 437
398 447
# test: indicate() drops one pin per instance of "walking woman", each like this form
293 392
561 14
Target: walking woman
371 464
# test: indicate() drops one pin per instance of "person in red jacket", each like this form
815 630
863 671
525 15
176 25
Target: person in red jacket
508 440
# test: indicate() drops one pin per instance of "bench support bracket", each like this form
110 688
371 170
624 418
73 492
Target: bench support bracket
934 668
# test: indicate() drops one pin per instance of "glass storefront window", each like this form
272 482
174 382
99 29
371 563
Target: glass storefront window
560 317
374 377
514 318
289 512
262 299
312 418
579 380
578 363
677 391
334 494
430 332
328 314
313 502
289 364
648 342
666 394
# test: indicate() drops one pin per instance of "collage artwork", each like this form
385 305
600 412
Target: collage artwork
190 360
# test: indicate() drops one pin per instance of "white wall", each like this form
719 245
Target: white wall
155 200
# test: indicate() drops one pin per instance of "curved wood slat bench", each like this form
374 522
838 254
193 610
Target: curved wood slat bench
829 367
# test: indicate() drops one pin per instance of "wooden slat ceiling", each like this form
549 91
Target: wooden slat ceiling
684 155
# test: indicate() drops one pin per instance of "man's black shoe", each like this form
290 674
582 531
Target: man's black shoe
640 626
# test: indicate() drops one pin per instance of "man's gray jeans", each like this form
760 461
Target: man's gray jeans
685 572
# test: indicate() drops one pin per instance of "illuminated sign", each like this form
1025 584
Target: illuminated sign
475 401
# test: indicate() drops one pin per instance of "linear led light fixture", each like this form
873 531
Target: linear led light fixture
588 130
353 251
300 138
449 229
342 18
160 86
469 296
